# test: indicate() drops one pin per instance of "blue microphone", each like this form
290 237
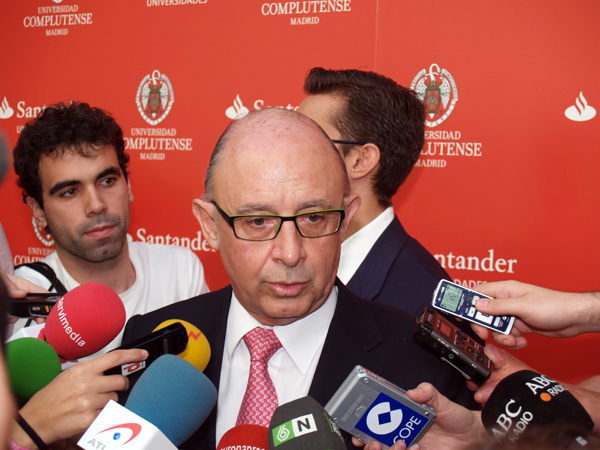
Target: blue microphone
174 396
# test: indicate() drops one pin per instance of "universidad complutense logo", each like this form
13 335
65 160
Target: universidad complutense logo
122 433
154 97
437 90
388 420
294 428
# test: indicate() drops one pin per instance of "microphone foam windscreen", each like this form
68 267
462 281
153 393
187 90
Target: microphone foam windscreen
252 437
526 404
174 396
85 320
31 364
304 424
197 352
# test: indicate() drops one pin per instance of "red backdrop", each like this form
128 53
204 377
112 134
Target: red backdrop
507 181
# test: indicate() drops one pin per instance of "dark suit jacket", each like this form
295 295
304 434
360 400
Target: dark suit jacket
401 272
374 335
398 271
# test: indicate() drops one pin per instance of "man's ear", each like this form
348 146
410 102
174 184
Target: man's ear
38 212
205 213
361 162
352 203
129 191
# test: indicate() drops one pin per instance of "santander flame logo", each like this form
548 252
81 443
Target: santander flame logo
238 110
5 110
581 111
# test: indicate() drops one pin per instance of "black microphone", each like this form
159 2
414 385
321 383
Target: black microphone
304 424
527 406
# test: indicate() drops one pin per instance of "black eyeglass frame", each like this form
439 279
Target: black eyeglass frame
341 141
230 219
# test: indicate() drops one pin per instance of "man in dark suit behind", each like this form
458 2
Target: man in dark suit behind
276 205
379 128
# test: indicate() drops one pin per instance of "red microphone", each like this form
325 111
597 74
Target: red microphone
245 436
84 320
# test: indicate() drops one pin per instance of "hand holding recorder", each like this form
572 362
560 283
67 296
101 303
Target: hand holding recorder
538 310
455 427
18 288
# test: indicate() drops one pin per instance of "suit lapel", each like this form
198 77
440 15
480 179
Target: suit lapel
213 317
370 276
347 342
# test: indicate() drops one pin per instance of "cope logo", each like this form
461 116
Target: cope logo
294 428
154 98
437 90
387 420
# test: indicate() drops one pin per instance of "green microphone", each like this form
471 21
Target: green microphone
31 364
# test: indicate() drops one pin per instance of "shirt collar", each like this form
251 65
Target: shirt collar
301 339
356 248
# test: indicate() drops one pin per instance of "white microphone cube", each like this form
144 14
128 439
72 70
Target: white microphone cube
116 426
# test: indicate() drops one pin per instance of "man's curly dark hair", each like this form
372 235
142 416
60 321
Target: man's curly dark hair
59 128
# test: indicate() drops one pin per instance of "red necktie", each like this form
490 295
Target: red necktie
260 399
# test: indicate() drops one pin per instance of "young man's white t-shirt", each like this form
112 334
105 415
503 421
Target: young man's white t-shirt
164 274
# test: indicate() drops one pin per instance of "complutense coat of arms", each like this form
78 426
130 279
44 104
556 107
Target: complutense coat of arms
154 97
437 90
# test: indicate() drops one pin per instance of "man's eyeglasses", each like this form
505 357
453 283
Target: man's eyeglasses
263 227
338 141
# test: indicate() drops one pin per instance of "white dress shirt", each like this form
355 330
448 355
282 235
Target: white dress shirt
291 368
356 248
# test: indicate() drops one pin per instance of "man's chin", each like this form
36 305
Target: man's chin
287 310
99 253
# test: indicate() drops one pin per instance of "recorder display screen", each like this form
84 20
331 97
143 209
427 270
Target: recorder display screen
451 298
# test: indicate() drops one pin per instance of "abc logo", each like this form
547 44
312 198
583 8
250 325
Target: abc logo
382 420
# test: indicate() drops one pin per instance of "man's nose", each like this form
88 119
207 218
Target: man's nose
95 203
288 246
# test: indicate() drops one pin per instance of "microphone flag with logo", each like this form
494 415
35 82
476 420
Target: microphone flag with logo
526 404
304 424
250 437
197 352
85 320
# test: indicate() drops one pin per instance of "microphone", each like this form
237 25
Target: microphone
31 365
251 437
526 405
174 396
165 407
85 320
304 424
197 352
